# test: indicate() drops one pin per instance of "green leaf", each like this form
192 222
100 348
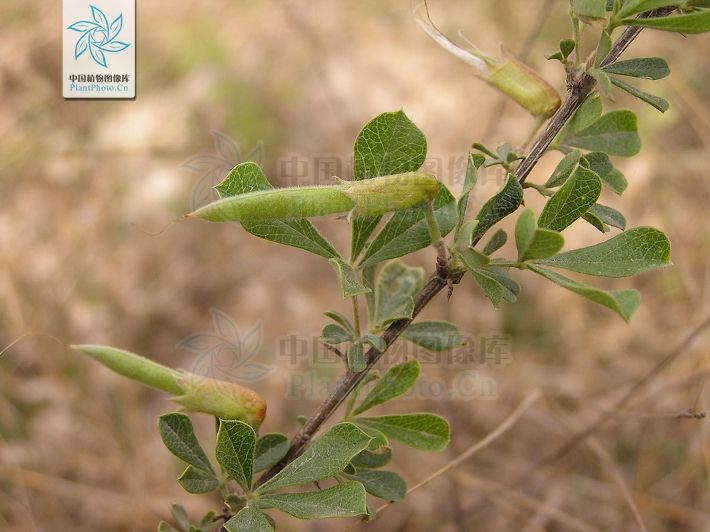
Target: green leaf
614 133
695 22
389 144
471 258
179 437
195 480
496 242
588 113
616 181
396 381
298 233
600 164
535 243
356 358
555 56
337 317
373 459
377 342
589 9
427 432
349 282
207 522
623 302
645 67
608 215
249 519
236 442
407 230
572 200
493 289
368 277
165 527
631 7
511 287
383 484
603 47
567 47
654 101
397 284
325 457
464 238
595 221
343 500
564 169
180 516
433 335
378 441
629 253
333 334
504 202
474 163
270 448
604 82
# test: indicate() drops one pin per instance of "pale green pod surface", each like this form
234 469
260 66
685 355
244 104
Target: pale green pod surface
366 197
134 367
277 204
380 195
525 86
223 399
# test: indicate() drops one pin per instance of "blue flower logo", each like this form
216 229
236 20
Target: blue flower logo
98 36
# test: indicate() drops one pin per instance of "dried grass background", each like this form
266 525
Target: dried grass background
88 254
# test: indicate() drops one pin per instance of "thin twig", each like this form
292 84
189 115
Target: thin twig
576 93
444 277
595 445
571 522
501 429
619 406
350 380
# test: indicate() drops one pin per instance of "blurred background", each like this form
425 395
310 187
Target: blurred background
93 250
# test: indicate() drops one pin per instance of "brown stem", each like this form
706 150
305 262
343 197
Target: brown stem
350 380
576 93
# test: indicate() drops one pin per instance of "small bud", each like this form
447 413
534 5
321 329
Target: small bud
525 86
222 399
509 75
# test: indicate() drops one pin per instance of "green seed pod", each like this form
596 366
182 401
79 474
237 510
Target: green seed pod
134 367
366 197
223 399
384 194
277 204
509 75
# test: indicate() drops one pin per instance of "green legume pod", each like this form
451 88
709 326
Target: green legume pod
277 204
367 197
389 193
